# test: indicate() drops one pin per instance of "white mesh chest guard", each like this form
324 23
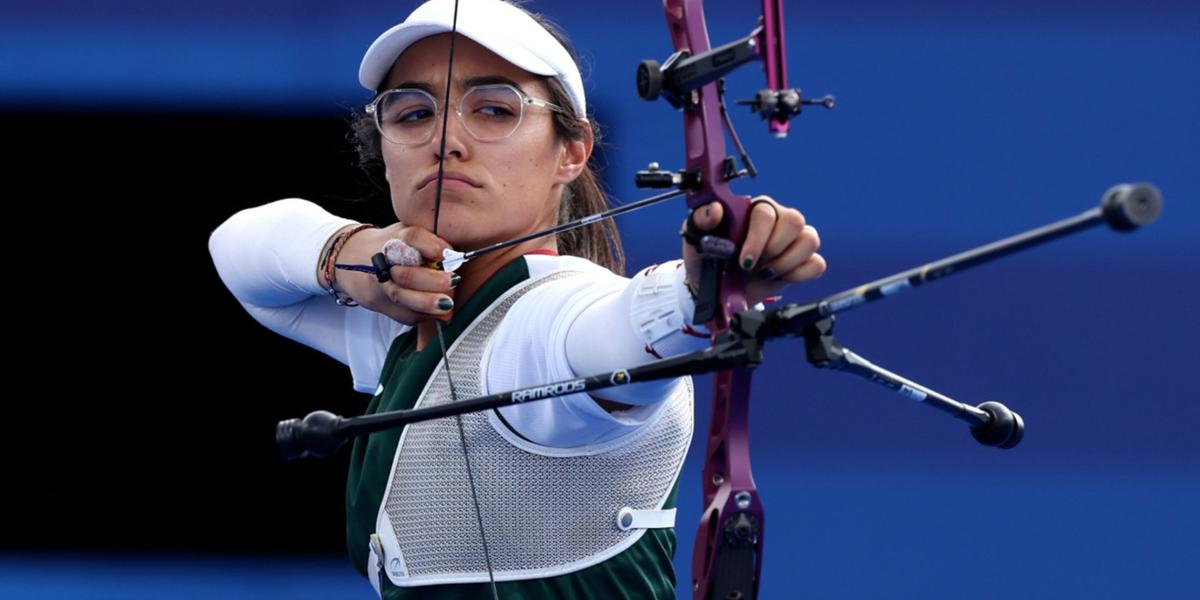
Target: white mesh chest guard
543 515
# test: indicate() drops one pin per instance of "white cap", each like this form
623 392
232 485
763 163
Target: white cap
496 25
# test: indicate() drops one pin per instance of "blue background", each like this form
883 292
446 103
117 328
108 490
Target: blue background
957 123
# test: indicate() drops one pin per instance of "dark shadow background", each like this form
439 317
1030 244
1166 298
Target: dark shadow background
143 458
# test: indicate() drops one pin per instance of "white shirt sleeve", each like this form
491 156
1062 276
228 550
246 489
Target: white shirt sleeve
267 257
580 326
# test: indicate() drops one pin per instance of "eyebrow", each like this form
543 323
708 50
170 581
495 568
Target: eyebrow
464 84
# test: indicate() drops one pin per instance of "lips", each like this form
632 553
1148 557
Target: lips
447 177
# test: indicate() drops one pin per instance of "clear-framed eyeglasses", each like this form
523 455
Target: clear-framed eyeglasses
488 112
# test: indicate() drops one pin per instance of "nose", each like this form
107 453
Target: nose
456 138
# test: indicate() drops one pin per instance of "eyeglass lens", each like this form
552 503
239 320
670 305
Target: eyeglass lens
488 113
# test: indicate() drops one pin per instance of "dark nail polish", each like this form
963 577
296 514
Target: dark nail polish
445 304
767 273
747 263
454 280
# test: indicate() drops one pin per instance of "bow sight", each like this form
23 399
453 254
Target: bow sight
678 79
675 79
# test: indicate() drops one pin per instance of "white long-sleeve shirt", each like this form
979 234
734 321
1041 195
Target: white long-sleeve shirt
267 257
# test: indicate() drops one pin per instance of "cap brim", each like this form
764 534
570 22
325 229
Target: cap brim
379 58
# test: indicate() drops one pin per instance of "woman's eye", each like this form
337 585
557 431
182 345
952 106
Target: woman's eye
413 115
495 111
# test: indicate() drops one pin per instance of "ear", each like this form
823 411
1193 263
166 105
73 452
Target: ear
575 156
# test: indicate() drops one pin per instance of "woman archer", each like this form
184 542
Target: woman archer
520 502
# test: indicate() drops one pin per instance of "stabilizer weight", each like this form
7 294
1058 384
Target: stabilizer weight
1004 430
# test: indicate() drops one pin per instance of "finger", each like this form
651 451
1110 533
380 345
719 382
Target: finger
422 279
397 313
429 303
429 245
802 247
709 216
763 217
408 317
789 225
810 269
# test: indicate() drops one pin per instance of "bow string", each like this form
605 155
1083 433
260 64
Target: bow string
441 337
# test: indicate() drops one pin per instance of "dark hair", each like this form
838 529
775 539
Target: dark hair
598 242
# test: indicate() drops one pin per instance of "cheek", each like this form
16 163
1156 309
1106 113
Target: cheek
529 167
398 166
394 169
392 159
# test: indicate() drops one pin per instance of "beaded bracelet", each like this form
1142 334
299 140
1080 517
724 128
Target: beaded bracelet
327 264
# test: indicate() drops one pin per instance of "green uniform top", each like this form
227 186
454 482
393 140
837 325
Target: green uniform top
643 570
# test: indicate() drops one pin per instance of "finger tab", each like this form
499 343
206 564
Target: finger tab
400 253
